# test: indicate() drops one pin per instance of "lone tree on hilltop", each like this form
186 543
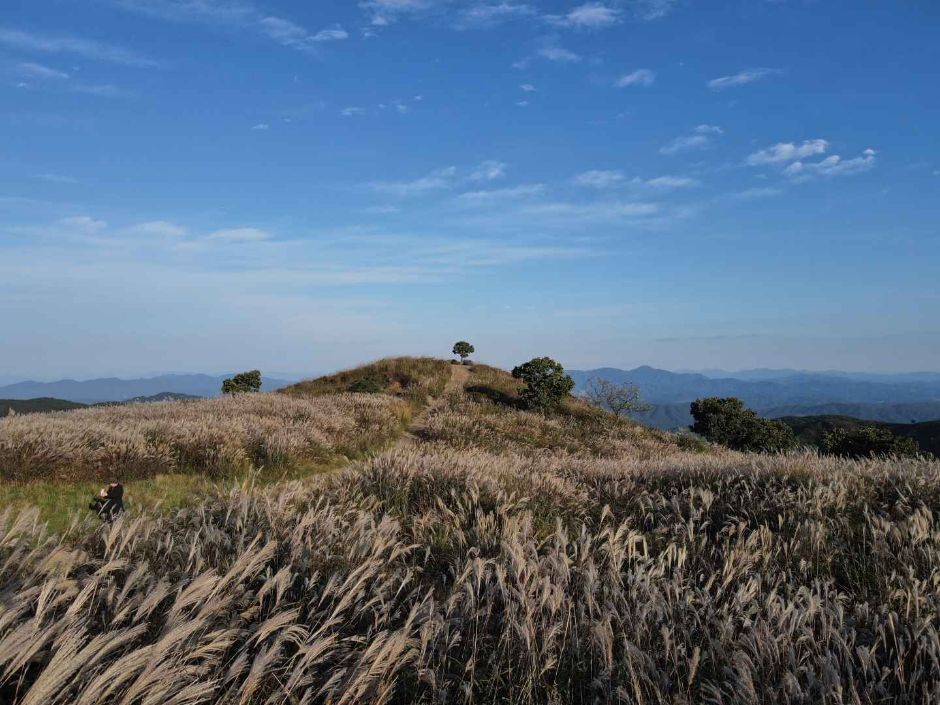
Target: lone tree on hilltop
463 349
728 422
619 399
867 442
242 382
546 383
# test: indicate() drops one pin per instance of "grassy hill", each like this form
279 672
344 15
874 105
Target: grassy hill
480 553
812 429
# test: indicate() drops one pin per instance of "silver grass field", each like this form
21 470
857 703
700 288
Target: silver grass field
499 556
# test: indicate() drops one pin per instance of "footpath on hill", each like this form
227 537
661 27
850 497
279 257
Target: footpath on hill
414 434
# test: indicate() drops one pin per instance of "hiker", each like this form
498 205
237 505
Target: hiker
110 502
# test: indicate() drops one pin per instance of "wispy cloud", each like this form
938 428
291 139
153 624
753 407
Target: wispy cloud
651 9
792 158
261 126
513 193
559 55
592 15
741 78
702 137
239 14
240 235
831 166
486 15
668 182
599 178
527 88
435 181
40 71
788 151
489 170
640 77
73 46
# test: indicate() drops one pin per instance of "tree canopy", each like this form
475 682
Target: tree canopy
546 383
243 382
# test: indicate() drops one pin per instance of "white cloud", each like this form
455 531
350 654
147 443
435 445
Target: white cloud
794 156
351 111
559 55
670 182
756 192
489 170
702 137
479 16
592 15
331 35
788 151
435 181
512 193
57 178
75 46
640 77
239 235
157 228
591 212
83 224
527 88
241 14
599 178
261 126
831 166
651 9
33 70
741 78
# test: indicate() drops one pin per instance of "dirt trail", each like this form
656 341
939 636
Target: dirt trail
459 376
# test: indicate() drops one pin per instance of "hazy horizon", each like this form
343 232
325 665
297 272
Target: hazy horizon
274 184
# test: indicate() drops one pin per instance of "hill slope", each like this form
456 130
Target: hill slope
35 406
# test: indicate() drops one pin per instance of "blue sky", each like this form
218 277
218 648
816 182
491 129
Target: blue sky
221 184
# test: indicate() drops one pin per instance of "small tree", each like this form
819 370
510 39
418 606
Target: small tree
868 441
243 382
463 349
728 422
620 399
546 383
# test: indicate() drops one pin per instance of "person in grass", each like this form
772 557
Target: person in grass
110 502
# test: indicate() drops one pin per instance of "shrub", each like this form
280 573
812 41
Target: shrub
463 349
728 422
619 399
546 383
242 382
868 441
371 383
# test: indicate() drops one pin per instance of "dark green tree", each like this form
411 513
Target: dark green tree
868 441
463 349
728 422
243 382
546 383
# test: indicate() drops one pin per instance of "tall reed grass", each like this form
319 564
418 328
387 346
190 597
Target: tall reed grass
213 437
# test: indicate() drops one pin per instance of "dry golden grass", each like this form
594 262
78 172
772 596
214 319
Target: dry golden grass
412 378
443 572
212 437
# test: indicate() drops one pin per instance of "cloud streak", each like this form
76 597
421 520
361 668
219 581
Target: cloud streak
741 78
73 46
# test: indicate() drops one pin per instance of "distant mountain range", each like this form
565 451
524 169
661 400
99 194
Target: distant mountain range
93 391
892 398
